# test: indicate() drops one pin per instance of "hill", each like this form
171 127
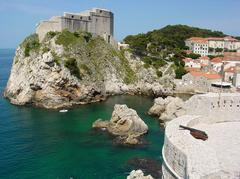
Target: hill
166 45
168 38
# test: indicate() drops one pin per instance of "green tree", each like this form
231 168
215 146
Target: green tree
180 71
193 56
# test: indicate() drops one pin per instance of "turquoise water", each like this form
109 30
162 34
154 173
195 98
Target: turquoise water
39 143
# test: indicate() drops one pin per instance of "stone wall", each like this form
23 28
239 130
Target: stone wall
175 161
214 105
54 24
179 148
197 83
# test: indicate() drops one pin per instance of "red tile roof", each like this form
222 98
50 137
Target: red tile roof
235 54
206 75
216 38
217 60
198 40
204 40
229 38
189 69
204 58
187 60
212 76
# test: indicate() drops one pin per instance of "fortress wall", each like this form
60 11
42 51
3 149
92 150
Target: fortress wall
96 21
46 26
179 153
74 25
102 23
179 159
214 107
175 161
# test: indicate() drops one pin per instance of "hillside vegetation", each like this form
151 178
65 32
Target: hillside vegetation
168 38
167 45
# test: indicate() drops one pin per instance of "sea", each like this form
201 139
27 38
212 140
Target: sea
46 144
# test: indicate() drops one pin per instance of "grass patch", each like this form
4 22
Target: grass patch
155 62
84 69
56 58
130 76
67 38
31 43
72 65
45 49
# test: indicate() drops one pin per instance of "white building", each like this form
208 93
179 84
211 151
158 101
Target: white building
216 42
122 46
191 63
198 45
231 43
201 45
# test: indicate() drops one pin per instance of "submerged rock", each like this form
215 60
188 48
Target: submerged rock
100 124
138 174
125 124
149 166
168 108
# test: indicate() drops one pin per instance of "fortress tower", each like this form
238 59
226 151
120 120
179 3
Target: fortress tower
96 21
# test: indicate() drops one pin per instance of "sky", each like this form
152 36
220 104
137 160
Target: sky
19 17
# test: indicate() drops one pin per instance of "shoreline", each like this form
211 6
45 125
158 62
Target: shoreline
102 99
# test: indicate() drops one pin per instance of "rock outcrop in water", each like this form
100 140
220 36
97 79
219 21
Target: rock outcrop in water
149 166
138 174
168 108
68 69
125 124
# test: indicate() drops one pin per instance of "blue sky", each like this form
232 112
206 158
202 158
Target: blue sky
19 17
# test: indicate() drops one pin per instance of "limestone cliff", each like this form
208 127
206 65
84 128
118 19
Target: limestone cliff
67 69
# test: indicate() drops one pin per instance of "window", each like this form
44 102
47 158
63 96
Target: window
72 16
100 11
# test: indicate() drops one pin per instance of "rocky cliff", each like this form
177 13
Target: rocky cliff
67 69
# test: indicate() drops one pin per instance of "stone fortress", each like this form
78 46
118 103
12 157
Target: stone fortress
96 21
218 156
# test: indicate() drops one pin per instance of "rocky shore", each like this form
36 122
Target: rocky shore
168 108
125 124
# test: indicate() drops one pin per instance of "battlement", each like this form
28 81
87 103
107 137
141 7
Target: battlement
96 21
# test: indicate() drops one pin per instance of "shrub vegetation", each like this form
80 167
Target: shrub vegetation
31 43
72 65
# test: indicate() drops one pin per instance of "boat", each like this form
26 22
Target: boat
63 110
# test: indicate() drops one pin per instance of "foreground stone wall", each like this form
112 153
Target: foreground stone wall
180 149
214 105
